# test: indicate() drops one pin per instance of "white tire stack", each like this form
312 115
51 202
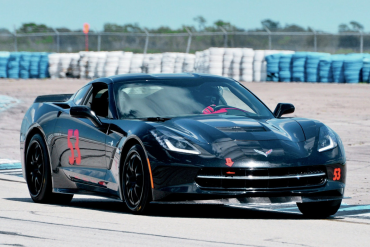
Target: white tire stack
259 66
189 63
53 65
155 63
124 63
100 63
111 64
74 65
235 64
215 61
82 64
200 65
247 65
64 64
92 61
227 61
179 62
136 63
168 62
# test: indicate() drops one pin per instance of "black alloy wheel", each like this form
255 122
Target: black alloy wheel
35 168
135 180
38 174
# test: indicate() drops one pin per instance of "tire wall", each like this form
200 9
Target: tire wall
242 64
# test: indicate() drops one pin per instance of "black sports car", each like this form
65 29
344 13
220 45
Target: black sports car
144 138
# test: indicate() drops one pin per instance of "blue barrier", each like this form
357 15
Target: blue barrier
366 68
4 57
35 65
44 65
337 65
285 67
298 66
24 65
352 66
13 65
272 67
312 66
325 69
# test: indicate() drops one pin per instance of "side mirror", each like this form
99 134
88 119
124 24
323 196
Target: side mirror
283 108
85 112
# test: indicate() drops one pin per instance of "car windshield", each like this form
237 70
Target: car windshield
184 97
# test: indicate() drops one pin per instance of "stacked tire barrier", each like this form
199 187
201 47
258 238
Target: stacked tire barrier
285 67
246 66
312 66
352 66
366 68
273 67
325 69
298 66
338 68
259 66
4 58
242 64
13 65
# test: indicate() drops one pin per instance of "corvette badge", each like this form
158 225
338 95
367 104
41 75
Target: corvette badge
263 153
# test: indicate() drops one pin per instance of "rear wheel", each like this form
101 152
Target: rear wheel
319 209
136 181
38 174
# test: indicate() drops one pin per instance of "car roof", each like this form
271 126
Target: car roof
134 77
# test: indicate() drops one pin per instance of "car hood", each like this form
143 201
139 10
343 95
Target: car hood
291 140
212 129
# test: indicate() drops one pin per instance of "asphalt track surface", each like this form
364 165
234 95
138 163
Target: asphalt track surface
92 221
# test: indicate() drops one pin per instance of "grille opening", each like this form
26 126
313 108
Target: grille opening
261 178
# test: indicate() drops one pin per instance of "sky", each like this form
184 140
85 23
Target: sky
323 15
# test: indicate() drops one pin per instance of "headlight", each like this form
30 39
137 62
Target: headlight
173 142
327 139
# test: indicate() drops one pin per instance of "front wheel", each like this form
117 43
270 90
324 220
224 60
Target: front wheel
319 209
136 181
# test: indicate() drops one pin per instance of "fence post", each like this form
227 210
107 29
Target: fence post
146 40
99 41
269 34
314 41
225 36
15 39
189 40
361 42
58 43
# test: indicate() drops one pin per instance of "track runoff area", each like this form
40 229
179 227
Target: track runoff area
91 220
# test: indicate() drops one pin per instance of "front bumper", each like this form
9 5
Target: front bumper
179 183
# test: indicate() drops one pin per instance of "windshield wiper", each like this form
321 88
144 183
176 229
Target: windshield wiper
156 119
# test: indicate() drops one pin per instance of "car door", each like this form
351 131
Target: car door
81 145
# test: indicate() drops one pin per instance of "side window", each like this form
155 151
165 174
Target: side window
98 100
81 94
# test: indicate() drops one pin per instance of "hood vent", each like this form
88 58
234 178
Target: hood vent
241 129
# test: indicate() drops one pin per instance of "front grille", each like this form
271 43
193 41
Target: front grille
261 178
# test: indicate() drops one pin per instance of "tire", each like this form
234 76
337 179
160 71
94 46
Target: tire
319 209
38 174
135 181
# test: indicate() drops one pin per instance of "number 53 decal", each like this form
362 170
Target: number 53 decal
336 174
72 158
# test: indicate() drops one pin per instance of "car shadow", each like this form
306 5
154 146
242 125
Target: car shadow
216 211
